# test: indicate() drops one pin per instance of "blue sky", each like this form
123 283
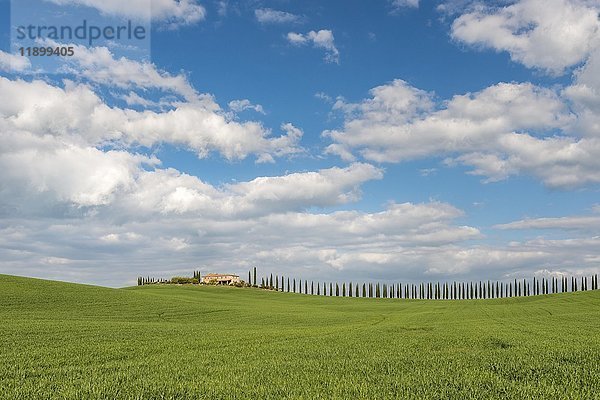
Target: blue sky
341 140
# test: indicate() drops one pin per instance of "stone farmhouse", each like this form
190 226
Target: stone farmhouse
221 279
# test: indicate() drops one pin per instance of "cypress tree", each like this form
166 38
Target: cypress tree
337 290
305 286
254 276
294 288
324 289
249 281
288 287
262 282
364 290
312 288
271 282
330 289
350 290
318 289
556 284
356 293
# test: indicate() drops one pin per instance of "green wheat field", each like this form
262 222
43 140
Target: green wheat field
69 341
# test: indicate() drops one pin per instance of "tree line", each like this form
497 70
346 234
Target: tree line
426 290
430 290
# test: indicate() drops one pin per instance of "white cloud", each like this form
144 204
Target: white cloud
82 214
585 223
111 213
322 39
293 243
548 34
74 202
172 12
503 130
13 63
270 16
99 65
245 104
77 113
82 176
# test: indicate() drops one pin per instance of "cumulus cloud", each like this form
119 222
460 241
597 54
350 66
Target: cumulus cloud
245 104
169 192
13 63
503 130
70 207
76 112
551 35
322 39
99 65
171 12
270 16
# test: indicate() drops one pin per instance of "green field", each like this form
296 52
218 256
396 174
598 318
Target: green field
61 340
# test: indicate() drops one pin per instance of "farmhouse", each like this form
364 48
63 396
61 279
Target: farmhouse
221 279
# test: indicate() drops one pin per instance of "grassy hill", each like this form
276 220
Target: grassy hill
61 340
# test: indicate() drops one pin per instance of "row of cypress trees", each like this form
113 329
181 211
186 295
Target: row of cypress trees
147 280
432 290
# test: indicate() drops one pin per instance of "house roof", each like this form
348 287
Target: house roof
217 275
